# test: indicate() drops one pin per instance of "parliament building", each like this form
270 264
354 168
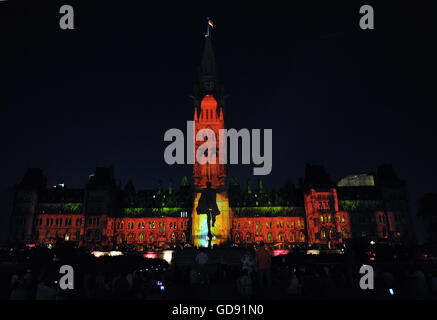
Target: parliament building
212 209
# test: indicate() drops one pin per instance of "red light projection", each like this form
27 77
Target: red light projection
209 118
325 224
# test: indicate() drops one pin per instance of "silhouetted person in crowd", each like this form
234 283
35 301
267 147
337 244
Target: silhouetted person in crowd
244 284
263 257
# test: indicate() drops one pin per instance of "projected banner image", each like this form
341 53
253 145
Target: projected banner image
211 218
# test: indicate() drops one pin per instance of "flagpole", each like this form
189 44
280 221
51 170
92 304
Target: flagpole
207 28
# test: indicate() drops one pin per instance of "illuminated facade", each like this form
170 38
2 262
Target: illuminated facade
316 214
209 227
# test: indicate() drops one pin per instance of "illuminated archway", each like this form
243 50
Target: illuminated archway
130 238
248 237
343 232
237 237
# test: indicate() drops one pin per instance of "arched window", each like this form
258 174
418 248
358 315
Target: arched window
173 236
120 239
269 237
237 237
67 236
141 238
184 238
280 237
130 238
302 237
89 235
151 238
291 237
248 237
48 234
343 232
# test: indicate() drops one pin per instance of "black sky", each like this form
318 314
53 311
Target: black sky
105 93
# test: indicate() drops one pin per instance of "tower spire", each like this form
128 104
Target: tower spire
209 24
208 65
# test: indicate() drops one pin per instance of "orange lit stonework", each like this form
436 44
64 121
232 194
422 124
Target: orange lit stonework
281 232
210 117
325 224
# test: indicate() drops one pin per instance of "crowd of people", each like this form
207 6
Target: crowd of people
258 274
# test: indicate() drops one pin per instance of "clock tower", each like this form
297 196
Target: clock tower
211 216
208 114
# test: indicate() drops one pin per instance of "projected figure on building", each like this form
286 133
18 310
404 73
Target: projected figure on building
208 205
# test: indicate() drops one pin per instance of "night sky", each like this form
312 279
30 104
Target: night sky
105 93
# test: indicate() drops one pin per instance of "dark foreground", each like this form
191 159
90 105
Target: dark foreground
228 274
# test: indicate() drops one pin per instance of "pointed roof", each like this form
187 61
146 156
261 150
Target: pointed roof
129 186
316 176
33 177
102 177
208 65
